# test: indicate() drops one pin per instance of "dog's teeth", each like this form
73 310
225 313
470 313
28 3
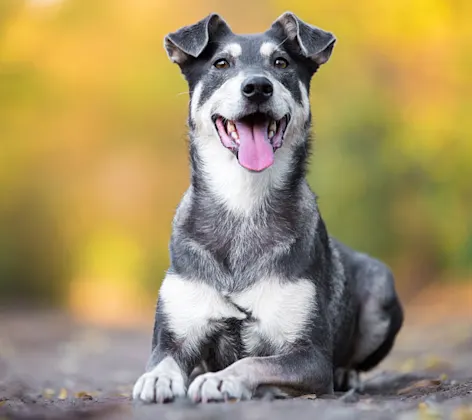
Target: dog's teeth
272 127
235 136
271 134
230 127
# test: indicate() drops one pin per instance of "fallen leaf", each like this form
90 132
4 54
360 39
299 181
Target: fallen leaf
408 365
62 394
3 402
84 395
427 412
48 393
424 383
435 363
462 413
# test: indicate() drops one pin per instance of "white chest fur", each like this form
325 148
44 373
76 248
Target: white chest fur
280 310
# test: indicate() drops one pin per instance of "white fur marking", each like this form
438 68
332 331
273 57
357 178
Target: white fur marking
197 92
305 98
235 186
234 50
267 49
191 306
281 311
240 190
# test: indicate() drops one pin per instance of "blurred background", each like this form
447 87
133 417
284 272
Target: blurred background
93 154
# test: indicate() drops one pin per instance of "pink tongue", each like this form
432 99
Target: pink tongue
255 151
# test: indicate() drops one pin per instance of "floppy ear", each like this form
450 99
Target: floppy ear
190 41
314 43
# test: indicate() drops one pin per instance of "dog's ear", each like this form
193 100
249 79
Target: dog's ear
315 43
190 41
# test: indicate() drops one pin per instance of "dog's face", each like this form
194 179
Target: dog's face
249 92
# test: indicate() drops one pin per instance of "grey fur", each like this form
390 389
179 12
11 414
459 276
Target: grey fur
220 255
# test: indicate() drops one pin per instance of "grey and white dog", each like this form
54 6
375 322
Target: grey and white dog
258 296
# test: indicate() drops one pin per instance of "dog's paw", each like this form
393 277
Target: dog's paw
159 386
218 386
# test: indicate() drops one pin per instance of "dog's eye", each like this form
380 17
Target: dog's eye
281 63
221 64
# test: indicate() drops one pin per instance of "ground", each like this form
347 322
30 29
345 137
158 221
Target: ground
54 368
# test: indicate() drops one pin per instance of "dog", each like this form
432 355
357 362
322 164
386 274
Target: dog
259 297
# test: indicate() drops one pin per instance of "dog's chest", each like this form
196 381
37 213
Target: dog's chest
264 318
244 246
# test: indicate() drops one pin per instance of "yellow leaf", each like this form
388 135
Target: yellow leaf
434 362
48 393
62 394
408 366
427 412
462 413
84 395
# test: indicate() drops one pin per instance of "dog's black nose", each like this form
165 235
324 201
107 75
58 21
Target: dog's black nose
257 88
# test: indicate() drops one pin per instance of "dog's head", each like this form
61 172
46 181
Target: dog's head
249 92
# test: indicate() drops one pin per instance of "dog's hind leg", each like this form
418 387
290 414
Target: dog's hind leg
381 314
380 317
346 379
394 313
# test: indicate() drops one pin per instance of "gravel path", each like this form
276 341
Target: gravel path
53 368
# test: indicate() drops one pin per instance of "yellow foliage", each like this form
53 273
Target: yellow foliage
92 127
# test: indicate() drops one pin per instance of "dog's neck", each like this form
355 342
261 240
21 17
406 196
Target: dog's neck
217 174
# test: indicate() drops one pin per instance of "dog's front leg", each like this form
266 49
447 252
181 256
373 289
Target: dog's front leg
302 371
168 368
187 314
172 358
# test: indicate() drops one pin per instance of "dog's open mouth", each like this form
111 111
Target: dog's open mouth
253 139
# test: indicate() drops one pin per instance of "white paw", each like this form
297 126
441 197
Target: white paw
218 386
162 384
